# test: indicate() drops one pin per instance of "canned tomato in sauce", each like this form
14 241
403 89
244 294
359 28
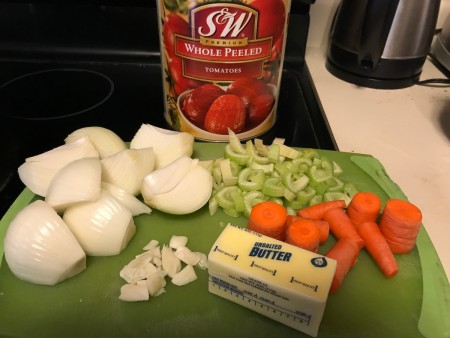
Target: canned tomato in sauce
222 64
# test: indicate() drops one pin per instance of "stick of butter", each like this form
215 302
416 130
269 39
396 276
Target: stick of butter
273 278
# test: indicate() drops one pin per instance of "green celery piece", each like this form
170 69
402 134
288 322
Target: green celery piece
434 321
273 187
238 158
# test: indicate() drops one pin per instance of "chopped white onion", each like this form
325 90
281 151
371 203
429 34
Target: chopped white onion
78 181
130 201
168 145
40 248
180 188
38 171
127 168
103 227
104 140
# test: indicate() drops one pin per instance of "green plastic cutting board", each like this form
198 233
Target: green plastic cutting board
367 305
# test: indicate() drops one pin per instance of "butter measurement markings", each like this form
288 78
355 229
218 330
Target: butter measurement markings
227 287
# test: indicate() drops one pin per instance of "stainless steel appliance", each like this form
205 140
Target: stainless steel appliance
69 64
381 43
441 46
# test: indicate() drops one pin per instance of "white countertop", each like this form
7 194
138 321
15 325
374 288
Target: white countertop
403 128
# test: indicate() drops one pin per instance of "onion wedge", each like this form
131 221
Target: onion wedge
38 171
104 140
168 145
78 181
180 188
103 227
40 248
127 168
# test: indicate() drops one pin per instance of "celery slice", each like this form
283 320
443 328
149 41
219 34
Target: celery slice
236 157
251 179
223 197
267 168
261 148
251 151
227 175
212 205
234 142
273 187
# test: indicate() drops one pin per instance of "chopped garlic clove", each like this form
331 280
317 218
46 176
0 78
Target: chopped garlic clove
187 256
154 284
151 245
134 292
178 241
203 263
185 276
170 263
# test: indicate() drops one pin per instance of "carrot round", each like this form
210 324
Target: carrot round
342 227
399 247
324 227
400 222
305 234
378 248
345 252
268 218
406 233
364 207
318 210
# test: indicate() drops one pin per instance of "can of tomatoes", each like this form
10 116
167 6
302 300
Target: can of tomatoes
222 64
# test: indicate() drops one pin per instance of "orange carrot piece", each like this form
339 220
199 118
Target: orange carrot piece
400 248
400 218
364 207
305 234
342 227
406 233
317 211
378 248
323 226
345 252
401 213
268 218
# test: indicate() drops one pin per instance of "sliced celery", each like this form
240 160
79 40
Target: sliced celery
251 179
236 157
253 172
251 151
273 187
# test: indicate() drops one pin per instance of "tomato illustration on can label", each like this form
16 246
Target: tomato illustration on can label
222 63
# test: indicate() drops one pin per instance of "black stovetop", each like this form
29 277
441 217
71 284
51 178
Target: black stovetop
50 86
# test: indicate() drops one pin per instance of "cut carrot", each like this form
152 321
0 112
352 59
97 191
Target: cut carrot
323 226
268 218
407 233
364 207
342 227
345 252
400 224
378 248
305 234
318 210
400 248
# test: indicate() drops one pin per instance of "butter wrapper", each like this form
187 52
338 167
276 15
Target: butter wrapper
273 278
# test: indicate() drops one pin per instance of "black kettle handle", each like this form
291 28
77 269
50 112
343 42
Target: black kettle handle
377 23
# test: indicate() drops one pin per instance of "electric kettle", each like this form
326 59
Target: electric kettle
381 43
441 46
